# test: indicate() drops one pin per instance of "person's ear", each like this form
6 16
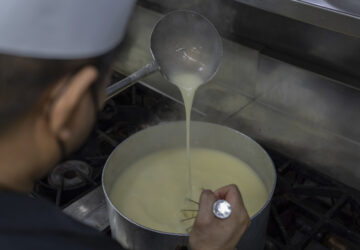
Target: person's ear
68 96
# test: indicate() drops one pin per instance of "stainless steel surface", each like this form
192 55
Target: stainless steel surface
185 42
283 105
134 236
310 98
90 209
181 42
329 52
315 12
128 81
351 7
308 117
222 209
231 86
321 50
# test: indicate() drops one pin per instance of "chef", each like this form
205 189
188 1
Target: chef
55 57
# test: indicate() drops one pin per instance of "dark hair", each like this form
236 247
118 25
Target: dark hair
23 80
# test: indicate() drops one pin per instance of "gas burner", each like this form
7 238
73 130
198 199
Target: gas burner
70 175
109 111
311 211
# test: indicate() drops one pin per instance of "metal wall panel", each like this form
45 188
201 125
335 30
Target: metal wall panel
325 41
306 115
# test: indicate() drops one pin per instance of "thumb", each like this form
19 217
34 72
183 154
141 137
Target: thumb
207 200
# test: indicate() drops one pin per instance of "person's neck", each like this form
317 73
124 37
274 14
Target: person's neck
16 162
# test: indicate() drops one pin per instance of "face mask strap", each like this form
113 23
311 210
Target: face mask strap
62 149
94 96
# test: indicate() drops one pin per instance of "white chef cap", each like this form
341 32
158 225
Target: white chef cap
62 29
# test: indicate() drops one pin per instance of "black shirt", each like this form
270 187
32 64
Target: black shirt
28 223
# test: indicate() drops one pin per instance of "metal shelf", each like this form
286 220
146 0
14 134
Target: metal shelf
342 18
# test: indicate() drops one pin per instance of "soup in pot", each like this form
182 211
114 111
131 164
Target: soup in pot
153 191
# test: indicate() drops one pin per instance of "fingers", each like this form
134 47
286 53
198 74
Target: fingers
224 191
205 214
230 193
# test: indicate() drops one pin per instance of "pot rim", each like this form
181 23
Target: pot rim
271 193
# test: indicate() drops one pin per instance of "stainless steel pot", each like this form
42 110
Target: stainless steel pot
134 236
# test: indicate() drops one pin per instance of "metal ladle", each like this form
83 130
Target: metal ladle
182 41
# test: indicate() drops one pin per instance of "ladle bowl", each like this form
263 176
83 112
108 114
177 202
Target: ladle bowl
182 41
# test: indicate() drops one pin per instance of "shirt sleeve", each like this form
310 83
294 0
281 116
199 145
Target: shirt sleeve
29 224
53 240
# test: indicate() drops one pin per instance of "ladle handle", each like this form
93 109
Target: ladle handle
120 86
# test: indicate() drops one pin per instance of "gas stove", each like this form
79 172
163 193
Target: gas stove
309 210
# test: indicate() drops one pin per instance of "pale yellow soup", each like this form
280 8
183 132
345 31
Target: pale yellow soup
153 191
